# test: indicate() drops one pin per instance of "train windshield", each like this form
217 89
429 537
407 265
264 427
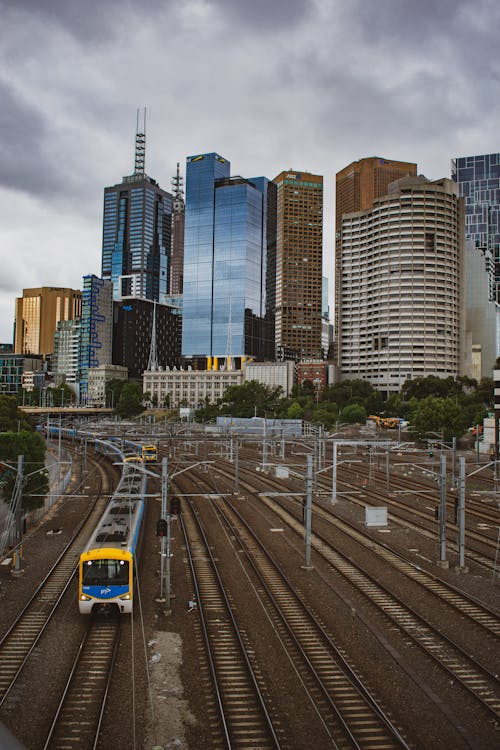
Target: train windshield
105 573
149 453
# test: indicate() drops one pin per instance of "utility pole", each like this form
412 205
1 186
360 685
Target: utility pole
308 510
18 510
442 514
461 513
165 541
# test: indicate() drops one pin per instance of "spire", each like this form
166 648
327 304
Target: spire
140 146
153 359
178 191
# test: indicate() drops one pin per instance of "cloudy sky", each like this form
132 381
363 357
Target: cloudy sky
269 84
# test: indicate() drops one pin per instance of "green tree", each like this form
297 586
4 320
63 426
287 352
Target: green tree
441 415
353 414
31 445
11 417
130 401
113 390
250 399
295 411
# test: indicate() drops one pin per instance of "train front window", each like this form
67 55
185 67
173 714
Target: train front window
105 573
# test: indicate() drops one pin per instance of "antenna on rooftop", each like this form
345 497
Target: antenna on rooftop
177 185
153 359
140 145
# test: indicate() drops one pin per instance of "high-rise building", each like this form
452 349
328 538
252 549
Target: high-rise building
96 328
137 234
228 233
38 312
400 285
356 187
177 256
478 179
66 360
299 265
132 331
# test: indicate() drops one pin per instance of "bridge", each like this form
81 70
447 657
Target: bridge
69 411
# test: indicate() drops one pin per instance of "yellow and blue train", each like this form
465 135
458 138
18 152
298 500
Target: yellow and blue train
107 564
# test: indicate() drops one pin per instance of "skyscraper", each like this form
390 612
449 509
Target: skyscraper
137 233
37 313
299 261
225 262
400 285
356 187
478 179
96 327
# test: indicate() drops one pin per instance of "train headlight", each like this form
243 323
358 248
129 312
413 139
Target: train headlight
126 596
85 598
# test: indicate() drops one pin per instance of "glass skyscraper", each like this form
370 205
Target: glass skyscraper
478 179
96 328
137 227
228 234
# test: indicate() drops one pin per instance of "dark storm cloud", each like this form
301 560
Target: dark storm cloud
267 14
83 19
23 131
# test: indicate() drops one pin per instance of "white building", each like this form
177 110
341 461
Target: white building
272 374
174 388
400 286
97 377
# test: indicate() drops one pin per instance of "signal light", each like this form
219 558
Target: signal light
162 527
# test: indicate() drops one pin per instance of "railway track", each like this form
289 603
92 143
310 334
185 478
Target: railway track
350 713
474 678
21 638
77 721
244 717
481 685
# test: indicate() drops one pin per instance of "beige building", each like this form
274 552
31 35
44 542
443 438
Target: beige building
400 286
176 388
299 265
98 377
38 312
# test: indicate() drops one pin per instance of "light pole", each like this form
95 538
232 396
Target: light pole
17 507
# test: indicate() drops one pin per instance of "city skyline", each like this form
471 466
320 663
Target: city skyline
325 85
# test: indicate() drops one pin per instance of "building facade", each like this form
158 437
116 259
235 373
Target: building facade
12 368
272 374
356 187
96 328
176 387
66 360
98 378
225 313
137 225
400 286
133 330
478 180
38 312
299 265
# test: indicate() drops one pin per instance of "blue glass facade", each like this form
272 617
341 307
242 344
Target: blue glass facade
225 256
95 329
478 178
136 238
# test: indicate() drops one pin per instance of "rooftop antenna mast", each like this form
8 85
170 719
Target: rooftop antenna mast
153 359
140 145
177 185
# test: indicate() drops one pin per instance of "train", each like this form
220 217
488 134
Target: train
107 564
106 568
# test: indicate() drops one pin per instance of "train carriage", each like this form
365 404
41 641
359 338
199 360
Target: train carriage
106 567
